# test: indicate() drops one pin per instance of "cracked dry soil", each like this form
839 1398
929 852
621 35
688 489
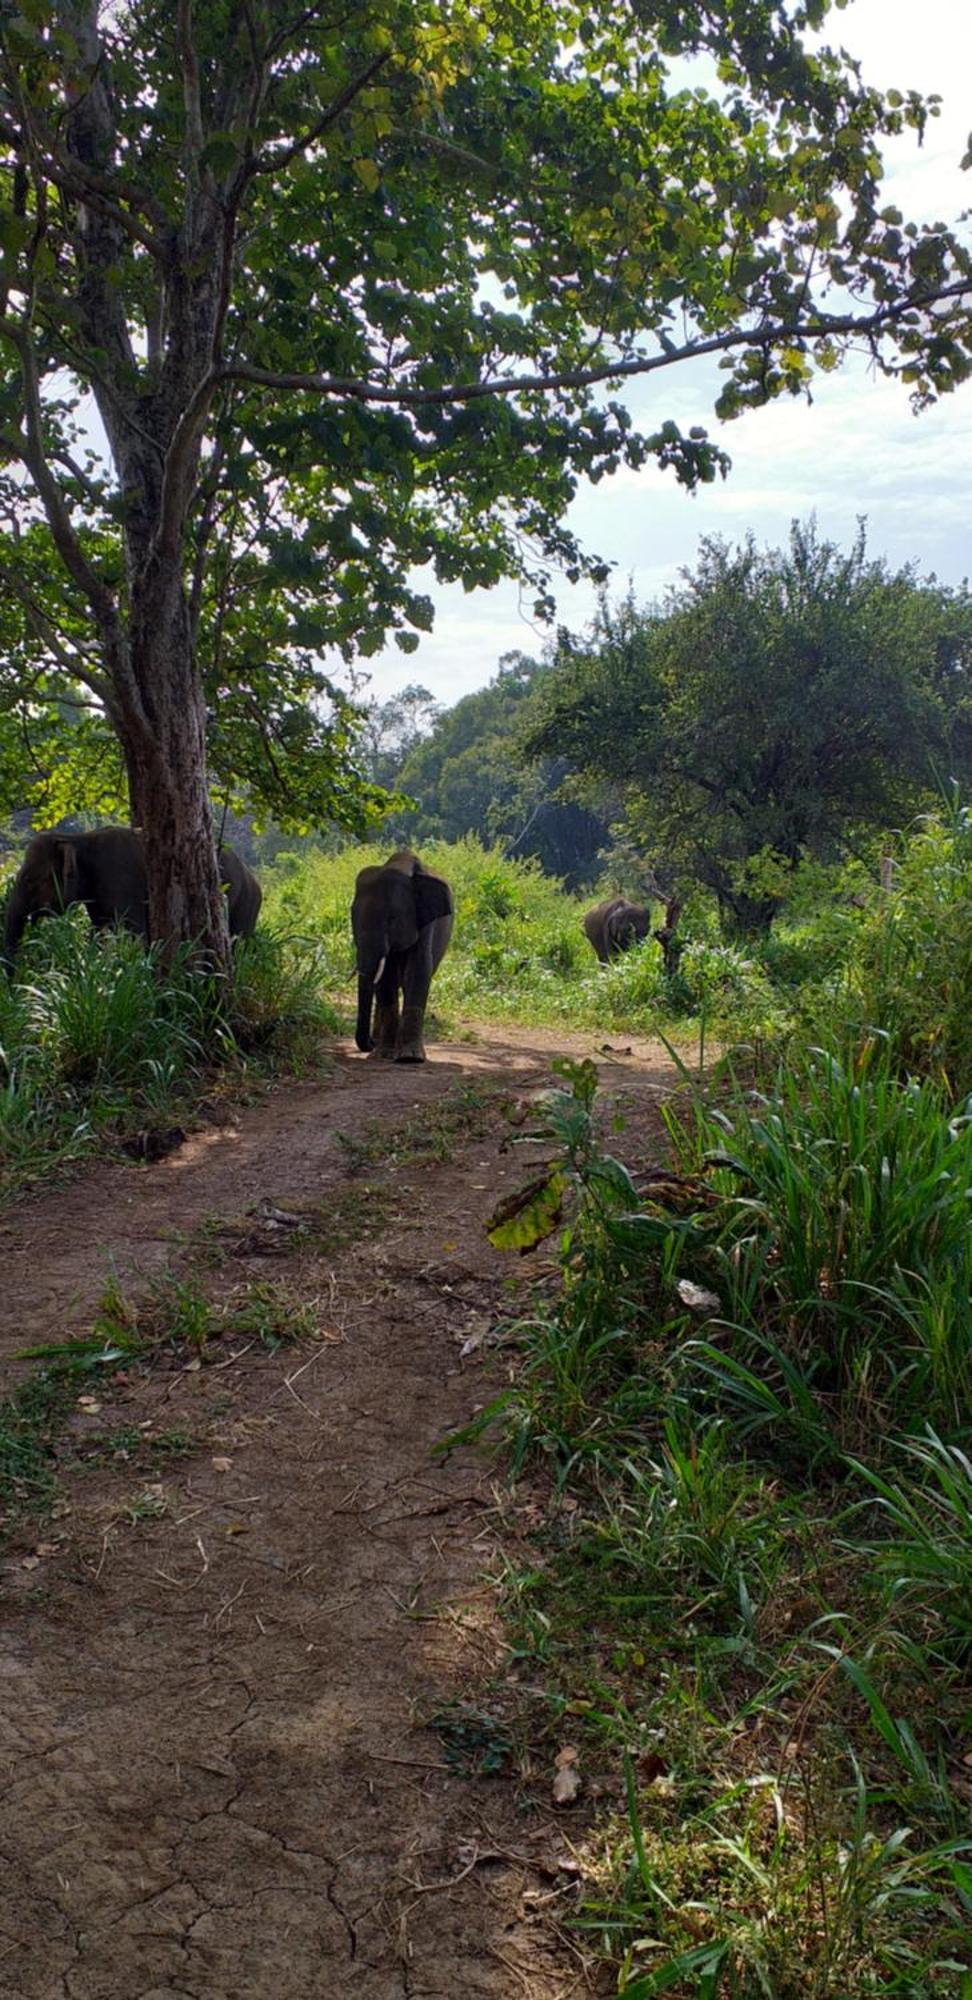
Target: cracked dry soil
220 1661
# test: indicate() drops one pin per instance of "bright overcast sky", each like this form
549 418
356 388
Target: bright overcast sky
856 450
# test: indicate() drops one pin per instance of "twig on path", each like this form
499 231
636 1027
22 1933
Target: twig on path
448 1881
511 1966
238 1356
177 1581
414 1763
228 1604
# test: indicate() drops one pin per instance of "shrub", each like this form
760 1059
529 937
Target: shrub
913 959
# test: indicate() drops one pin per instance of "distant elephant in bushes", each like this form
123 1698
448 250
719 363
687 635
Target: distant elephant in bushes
401 918
105 871
615 926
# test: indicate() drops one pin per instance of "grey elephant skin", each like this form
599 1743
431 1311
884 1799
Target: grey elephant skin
401 919
616 925
105 871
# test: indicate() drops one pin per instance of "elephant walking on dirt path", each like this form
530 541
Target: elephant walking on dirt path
615 926
105 871
401 918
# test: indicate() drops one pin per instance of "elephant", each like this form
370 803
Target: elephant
615 926
401 919
105 871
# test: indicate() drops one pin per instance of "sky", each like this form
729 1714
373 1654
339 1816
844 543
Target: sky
857 450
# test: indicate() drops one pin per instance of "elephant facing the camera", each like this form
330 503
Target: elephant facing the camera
105 871
615 926
401 918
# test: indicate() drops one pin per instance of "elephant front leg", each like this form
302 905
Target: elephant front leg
418 978
411 1047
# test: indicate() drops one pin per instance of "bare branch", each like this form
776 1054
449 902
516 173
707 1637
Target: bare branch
101 191
69 548
73 664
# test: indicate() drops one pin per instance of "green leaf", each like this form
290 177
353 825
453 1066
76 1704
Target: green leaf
220 152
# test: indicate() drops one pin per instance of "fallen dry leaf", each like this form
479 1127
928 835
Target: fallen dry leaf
566 1785
568 1755
222 1464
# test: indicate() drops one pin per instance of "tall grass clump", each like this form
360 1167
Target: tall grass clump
840 1232
97 1043
751 1598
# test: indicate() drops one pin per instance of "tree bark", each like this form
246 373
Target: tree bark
165 755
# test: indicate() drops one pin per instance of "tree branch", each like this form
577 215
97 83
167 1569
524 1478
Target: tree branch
360 389
273 163
102 191
43 630
191 94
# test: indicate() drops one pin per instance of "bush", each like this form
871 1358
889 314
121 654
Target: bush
912 963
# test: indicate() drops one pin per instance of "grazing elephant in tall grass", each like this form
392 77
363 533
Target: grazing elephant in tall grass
105 871
615 926
401 918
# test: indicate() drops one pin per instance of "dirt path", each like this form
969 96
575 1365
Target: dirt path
242 1672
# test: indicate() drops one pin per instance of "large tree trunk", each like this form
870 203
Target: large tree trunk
165 754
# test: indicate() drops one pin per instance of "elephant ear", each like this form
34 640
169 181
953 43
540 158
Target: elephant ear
68 870
433 899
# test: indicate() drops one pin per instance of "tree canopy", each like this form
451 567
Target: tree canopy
345 286
466 776
777 703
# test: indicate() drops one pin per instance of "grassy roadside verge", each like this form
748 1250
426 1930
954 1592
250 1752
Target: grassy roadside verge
750 1608
97 1051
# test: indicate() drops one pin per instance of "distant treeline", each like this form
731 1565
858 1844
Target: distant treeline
779 706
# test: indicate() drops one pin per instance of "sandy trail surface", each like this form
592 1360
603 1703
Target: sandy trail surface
249 1668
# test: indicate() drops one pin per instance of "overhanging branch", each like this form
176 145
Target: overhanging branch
767 335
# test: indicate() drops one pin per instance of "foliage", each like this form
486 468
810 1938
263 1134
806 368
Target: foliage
778 703
467 778
839 1231
912 958
96 1049
765 1645
344 293
395 728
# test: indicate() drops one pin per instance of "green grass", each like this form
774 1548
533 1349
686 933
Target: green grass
757 1638
96 1047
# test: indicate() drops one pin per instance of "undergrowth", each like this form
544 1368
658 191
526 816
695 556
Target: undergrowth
751 1602
96 1045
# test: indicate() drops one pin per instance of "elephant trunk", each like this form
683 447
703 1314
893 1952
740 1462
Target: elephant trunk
366 995
372 959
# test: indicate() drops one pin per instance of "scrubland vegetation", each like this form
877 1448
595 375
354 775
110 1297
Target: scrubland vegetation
751 1394
749 1391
